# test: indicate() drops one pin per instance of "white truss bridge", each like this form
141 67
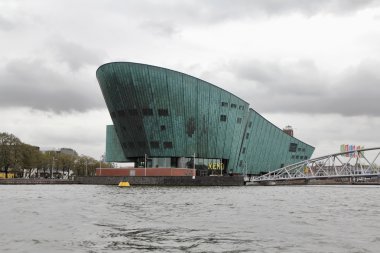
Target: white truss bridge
363 163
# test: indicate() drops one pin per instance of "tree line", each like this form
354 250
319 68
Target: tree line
21 159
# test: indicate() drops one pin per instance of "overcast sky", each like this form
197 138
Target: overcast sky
314 65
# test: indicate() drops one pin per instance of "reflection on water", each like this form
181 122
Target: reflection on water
80 218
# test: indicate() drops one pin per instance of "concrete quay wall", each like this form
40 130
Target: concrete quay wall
165 181
14 181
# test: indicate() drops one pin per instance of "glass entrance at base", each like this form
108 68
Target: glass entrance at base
204 166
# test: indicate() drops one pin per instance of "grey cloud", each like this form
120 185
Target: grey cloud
5 24
32 84
194 12
302 88
75 55
161 28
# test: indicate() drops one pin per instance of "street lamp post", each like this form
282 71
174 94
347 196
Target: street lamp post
145 163
52 167
101 160
194 167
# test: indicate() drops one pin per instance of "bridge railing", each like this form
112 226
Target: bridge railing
356 163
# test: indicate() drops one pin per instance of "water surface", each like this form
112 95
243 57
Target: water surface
86 218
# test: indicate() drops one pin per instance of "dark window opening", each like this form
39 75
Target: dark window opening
241 163
168 144
238 120
133 112
147 111
247 136
224 104
303 150
299 149
293 147
163 112
121 113
297 157
154 144
292 156
141 144
233 105
241 107
223 117
250 124
163 127
282 165
243 151
113 114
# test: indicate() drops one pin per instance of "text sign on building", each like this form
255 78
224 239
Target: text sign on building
351 148
215 166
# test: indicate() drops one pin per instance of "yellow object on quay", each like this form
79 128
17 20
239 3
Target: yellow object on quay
124 184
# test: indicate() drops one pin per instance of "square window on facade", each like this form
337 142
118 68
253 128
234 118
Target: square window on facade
223 117
297 157
303 150
250 124
293 156
121 113
154 144
247 136
238 120
147 111
168 144
243 151
133 112
233 105
163 127
293 147
224 104
141 144
163 112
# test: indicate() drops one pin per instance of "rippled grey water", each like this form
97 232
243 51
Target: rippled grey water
84 218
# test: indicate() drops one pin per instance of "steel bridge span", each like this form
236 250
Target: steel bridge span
360 164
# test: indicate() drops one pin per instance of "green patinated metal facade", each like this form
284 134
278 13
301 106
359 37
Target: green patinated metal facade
164 113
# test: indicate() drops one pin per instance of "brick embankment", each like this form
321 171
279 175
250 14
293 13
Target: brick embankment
36 181
165 181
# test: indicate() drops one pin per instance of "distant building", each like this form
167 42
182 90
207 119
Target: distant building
164 119
288 130
66 151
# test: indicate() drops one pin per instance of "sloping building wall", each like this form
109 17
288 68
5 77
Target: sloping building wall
266 147
164 113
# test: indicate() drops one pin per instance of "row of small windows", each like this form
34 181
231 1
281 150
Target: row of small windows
299 157
224 119
293 148
144 111
225 104
153 144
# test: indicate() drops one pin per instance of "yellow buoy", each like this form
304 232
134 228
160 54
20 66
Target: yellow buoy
124 184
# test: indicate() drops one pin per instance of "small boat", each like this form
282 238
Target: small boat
124 184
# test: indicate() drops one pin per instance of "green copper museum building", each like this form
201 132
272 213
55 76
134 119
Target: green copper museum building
166 119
